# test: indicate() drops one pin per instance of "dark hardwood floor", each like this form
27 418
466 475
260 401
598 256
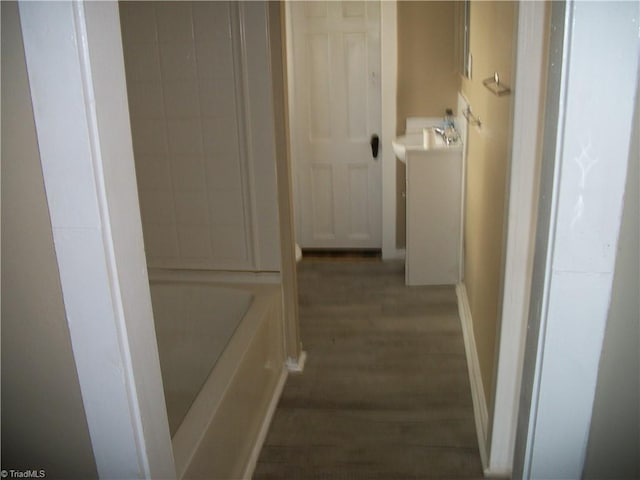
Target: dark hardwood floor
385 392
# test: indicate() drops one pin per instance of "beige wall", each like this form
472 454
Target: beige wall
428 82
427 78
491 45
614 441
43 421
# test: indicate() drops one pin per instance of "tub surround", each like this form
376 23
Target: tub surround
237 401
226 416
194 323
202 128
202 107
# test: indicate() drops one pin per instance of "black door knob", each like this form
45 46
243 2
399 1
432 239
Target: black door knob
375 144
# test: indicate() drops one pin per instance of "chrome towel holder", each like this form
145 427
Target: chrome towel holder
471 118
494 86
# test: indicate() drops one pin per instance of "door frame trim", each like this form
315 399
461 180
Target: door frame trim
388 76
576 248
522 191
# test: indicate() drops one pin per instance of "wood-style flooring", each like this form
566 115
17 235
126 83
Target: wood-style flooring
385 392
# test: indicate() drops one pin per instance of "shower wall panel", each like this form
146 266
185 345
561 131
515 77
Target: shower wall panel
185 77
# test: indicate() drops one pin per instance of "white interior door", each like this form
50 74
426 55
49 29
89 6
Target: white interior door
335 96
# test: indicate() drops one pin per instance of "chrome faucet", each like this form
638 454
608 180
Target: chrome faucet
449 135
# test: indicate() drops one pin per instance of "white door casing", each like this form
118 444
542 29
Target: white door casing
335 111
74 60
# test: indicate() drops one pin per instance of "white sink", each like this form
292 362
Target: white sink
423 140
410 140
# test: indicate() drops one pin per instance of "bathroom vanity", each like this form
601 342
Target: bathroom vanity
434 207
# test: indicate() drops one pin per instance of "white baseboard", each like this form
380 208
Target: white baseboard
264 428
394 253
297 365
480 411
495 474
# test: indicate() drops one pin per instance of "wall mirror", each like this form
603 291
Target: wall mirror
461 33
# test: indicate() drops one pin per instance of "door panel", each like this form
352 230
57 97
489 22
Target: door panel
322 200
336 109
319 91
355 45
358 209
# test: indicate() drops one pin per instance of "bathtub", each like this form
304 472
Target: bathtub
222 358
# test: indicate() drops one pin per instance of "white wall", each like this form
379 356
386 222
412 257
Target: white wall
43 418
594 55
614 440
202 127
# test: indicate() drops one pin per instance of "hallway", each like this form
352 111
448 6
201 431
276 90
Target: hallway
385 392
